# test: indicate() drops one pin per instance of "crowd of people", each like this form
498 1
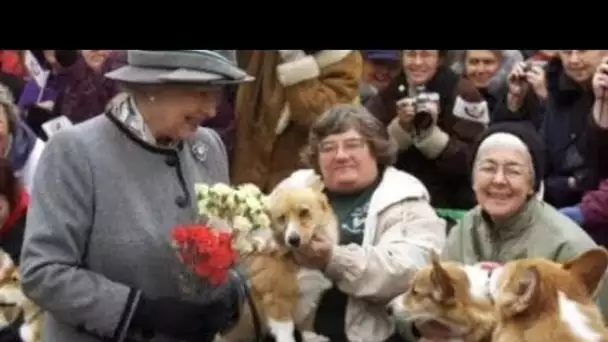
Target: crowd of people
481 155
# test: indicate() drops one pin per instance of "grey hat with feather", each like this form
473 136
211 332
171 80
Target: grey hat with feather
200 67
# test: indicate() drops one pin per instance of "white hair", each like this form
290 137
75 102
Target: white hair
504 140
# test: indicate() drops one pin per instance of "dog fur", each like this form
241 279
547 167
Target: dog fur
538 300
283 292
15 302
452 294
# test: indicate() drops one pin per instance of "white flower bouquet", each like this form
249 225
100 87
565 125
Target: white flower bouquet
244 210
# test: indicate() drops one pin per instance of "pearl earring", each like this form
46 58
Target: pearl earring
151 98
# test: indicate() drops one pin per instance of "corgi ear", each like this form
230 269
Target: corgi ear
443 289
316 183
526 289
589 267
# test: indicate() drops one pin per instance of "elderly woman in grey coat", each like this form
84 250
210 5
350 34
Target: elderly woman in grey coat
96 254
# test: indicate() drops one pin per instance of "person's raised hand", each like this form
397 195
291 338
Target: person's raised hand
600 81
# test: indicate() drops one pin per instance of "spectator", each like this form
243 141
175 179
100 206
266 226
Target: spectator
275 112
562 100
592 213
14 201
385 235
96 256
508 60
481 67
76 87
436 151
510 222
380 67
18 143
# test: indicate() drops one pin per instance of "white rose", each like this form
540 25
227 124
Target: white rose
261 221
221 189
250 189
241 224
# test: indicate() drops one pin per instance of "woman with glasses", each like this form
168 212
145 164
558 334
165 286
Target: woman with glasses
385 234
510 221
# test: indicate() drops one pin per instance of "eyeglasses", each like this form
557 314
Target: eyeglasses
349 146
509 171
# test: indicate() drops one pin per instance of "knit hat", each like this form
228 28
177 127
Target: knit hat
526 133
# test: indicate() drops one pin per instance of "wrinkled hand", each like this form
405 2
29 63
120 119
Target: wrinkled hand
538 82
292 55
316 254
600 81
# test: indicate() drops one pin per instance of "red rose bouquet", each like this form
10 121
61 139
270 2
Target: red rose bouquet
206 252
232 219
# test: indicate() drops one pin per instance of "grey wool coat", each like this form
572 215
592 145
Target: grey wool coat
103 205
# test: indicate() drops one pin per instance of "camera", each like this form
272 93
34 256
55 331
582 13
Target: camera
526 68
423 119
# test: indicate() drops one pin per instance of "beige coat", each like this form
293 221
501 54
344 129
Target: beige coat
400 231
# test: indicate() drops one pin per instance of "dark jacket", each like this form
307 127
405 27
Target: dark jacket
594 205
447 177
565 127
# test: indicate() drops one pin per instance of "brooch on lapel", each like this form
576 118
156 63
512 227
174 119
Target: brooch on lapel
199 151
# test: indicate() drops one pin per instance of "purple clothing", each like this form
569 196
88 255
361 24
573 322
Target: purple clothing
85 92
594 207
31 91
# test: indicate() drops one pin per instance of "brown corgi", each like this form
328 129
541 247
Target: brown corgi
452 294
538 300
14 302
283 292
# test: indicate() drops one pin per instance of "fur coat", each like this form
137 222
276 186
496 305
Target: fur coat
274 113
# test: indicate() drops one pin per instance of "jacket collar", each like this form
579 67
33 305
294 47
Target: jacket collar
514 225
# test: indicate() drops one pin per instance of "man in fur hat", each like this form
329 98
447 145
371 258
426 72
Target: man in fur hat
274 113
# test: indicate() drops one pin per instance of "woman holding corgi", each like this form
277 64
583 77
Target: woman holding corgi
510 222
385 235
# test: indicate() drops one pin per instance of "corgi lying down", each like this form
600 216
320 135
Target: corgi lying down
283 292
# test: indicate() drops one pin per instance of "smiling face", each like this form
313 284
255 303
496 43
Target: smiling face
481 66
420 65
503 176
176 112
580 65
346 162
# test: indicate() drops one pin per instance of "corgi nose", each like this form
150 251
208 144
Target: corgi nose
294 241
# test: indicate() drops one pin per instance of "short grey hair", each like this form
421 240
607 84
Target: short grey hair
340 119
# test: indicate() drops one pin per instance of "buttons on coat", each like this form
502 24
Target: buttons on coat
171 160
181 201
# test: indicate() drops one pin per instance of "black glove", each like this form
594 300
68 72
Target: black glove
181 319
10 333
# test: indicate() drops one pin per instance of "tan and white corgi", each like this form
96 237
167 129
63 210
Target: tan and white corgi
14 302
452 294
283 292
538 300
